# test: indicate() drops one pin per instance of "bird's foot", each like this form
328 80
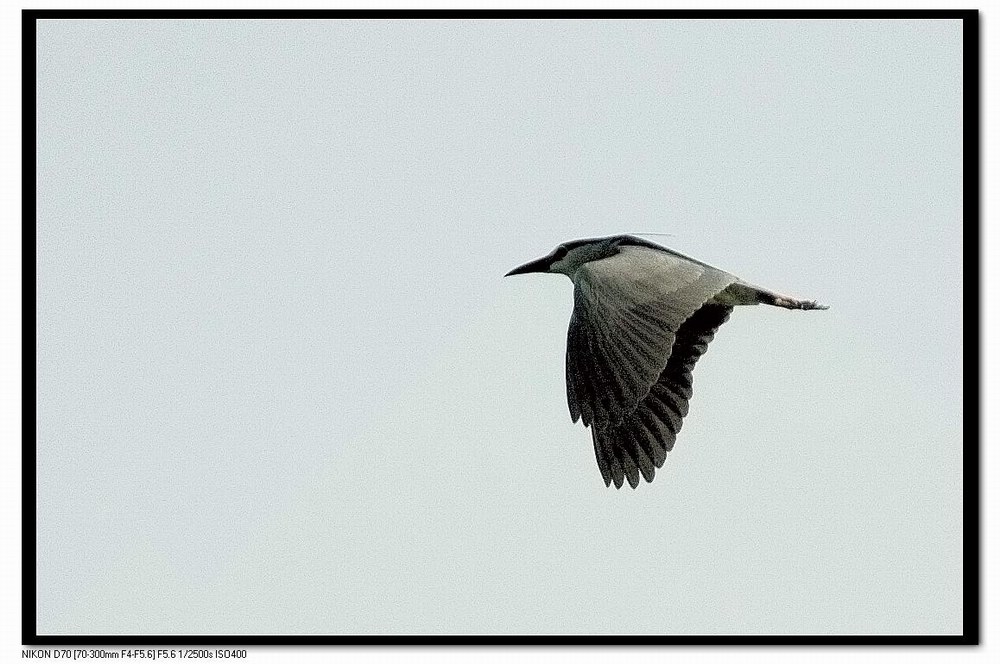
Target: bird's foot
792 303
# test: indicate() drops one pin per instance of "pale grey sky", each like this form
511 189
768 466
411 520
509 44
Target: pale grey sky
283 387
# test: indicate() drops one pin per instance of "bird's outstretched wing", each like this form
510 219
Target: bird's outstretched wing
640 442
628 309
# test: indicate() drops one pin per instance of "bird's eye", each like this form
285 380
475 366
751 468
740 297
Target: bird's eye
560 253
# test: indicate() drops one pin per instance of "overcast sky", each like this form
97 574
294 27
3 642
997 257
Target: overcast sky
283 387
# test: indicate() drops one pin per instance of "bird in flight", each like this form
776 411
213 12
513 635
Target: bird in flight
642 316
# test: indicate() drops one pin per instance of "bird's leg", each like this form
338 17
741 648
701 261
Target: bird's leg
792 303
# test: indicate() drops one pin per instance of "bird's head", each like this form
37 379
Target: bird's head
569 256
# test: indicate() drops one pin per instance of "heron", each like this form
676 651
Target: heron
643 315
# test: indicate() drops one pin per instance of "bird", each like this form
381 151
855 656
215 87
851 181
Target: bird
642 316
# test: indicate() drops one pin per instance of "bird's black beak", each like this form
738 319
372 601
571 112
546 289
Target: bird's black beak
540 265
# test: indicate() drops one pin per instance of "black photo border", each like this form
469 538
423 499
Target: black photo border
971 211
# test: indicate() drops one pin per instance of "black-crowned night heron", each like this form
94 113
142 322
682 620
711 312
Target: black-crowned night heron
642 317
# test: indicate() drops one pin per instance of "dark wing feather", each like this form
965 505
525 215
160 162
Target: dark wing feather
645 436
628 308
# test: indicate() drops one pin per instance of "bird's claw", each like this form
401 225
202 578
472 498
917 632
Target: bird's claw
792 303
812 304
